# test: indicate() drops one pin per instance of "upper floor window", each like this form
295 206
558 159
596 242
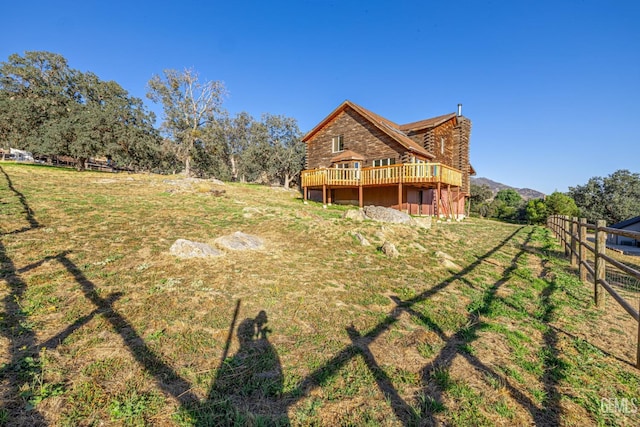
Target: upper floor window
441 145
384 162
337 143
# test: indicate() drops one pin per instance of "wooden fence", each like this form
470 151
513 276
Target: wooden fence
572 233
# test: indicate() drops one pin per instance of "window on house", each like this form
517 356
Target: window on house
384 162
337 143
347 165
441 145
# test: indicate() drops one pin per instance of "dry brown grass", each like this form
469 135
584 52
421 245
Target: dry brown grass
101 326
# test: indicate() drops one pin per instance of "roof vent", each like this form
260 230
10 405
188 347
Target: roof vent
459 110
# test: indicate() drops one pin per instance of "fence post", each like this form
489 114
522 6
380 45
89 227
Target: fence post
549 222
601 266
638 349
574 241
561 232
582 251
565 234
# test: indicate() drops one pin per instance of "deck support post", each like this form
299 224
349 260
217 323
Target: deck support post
360 197
329 200
305 194
437 210
324 196
450 213
400 175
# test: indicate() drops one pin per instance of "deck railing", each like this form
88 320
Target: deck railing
344 176
411 173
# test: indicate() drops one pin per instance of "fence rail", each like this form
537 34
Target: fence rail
572 233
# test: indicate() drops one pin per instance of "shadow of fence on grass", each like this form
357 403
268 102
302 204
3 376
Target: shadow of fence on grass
408 414
26 209
22 368
204 412
455 347
24 350
15 327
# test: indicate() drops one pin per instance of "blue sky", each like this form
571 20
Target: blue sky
552 87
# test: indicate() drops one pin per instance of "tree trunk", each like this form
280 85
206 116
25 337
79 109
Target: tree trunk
287 180
80 163
234 168
187 167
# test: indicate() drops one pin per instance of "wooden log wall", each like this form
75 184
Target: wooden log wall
360 136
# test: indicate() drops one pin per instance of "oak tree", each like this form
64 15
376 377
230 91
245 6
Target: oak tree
189 105
614 198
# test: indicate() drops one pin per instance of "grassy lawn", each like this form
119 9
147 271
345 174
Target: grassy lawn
100 325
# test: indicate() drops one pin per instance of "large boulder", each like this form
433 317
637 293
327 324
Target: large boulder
389 249
423 221
187 249
446 260
382 214
360 238
355 214
240 241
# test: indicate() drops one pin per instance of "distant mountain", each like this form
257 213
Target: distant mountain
526 193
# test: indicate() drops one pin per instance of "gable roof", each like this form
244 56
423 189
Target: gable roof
427 123
626 223
347 155
388 127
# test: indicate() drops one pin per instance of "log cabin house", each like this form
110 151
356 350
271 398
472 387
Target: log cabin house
355 156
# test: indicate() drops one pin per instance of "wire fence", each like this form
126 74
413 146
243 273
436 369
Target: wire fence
627 286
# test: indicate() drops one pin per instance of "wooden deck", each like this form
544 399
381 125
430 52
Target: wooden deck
406 173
